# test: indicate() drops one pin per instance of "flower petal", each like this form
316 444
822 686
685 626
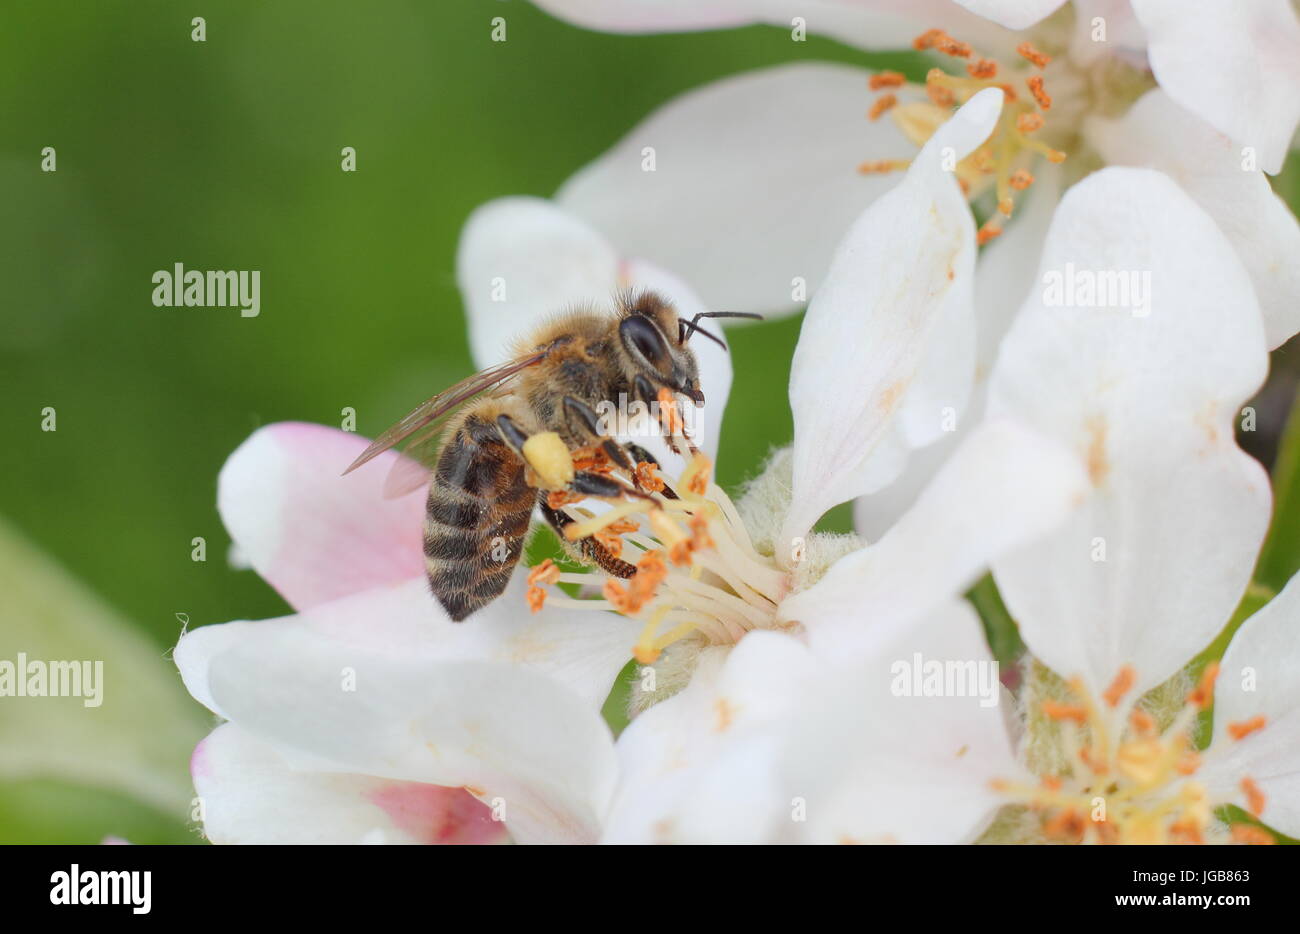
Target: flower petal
1004 487
1257 678
899 291
700 766
1159 134
250 795
1148 403
877 762
584 652
502 731
311 533
755 180
881 24
1235 65
1014 14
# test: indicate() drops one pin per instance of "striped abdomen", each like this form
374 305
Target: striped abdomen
477 518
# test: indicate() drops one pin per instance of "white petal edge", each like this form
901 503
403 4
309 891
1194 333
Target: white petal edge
1151 567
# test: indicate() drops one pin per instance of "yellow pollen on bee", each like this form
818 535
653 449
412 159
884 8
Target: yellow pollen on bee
548 455
1133 784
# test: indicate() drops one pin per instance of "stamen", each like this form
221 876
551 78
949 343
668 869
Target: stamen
1254 796
883 103
1120 686
539 577
1244 728
883 166
1028 52
1141 775
1251 835
1035 85
1029 122
669 415
647 477
1003 156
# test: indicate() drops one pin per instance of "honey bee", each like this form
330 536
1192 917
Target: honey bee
502 441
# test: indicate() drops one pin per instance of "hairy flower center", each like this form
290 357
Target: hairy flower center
696 569
1130 782
1006 157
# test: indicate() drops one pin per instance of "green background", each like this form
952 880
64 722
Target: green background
225 154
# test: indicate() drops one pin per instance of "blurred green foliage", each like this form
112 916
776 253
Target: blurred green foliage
225 154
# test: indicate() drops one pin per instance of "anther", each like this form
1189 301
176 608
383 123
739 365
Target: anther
886 79
1254 796
1028 52
1035 85
882 104
1244 728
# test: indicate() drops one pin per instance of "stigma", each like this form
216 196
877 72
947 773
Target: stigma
1005 160
697 576
1118 777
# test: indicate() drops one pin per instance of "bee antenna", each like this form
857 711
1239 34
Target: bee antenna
683 334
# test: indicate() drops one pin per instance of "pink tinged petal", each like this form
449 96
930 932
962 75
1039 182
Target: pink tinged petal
877 762
584 652
887 346
700 767
1152 566
251 795
755 181
1235 65
1014 14
1257 678
1159 134
395 707
313 534
1004 487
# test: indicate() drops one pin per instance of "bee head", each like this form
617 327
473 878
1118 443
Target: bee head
648 321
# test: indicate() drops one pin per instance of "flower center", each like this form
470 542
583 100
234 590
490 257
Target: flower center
1120 779
1006 157
696 569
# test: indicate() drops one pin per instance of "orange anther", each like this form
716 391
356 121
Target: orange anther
882 166
927 39
882 104
1188 764
1203 694
1243 728
1027 51
950 46
670 417
983 68
987 233
558 499
1035 84
1005 207
1020 180
1122 684
1028 122
542 575
1141 721
885 79
1068 824
1058 711
1254 796
1252 835
647 477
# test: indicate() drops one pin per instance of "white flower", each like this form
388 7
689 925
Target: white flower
753 182
1116 600
369 702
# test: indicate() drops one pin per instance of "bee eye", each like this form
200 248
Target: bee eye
640 336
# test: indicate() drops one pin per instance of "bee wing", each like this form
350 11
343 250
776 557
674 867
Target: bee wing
424 419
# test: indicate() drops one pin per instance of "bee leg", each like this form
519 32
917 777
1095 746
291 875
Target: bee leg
642 456
625 456
588 548
584 482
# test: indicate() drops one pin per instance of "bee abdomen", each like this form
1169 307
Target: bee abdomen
477 518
